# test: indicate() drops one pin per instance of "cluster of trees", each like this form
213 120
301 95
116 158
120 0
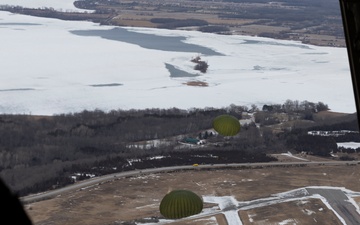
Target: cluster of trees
171 23
296 106
40 153
294 110
97 17
299 139
202 66
214 29
302 117
92 5
318 145
36 150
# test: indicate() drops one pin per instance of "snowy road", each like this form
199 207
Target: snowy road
337 199
109 177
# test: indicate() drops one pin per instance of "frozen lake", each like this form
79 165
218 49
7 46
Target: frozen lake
51 66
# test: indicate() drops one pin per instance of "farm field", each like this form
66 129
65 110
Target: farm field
126 200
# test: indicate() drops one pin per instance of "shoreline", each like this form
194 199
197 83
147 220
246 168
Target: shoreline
252 30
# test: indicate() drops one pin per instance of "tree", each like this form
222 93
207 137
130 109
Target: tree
254 108
267 108
317 145
206 135
320 106
202 66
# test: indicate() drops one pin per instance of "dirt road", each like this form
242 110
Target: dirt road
106 178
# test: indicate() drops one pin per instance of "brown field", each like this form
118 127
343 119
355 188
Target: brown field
297 212
197 83
142 14
238 27
325 30
127 199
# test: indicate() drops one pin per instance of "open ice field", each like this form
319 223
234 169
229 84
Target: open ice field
50 66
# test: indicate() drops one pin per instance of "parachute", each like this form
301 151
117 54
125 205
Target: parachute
180 203
226 125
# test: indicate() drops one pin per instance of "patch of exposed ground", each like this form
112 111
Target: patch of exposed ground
127 199
310 211
197 83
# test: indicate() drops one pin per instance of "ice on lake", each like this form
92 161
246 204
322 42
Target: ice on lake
51 66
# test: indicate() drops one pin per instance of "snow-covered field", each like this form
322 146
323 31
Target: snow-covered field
50 66
353 145
229 206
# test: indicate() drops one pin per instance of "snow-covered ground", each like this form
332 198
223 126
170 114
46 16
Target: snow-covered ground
49 66
353 145
229 206
310 192
333 133
289 154
59 5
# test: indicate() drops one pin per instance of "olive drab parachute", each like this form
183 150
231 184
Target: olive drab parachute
226 125
180 203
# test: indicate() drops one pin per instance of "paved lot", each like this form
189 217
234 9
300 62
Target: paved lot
340 203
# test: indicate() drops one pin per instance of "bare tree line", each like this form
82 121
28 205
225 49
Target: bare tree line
38 153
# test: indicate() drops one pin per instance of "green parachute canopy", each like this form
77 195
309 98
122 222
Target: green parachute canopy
180 203
226 125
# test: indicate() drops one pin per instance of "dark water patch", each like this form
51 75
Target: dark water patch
174 72
149 41
106 85
255 42
18 89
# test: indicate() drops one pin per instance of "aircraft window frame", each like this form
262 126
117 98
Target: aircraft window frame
350 11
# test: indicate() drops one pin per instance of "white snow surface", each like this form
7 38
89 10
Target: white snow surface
353 145
209 221
60 5
47 70
232 217
289 154
287 222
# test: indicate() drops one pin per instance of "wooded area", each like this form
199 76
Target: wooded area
170 23
38 153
